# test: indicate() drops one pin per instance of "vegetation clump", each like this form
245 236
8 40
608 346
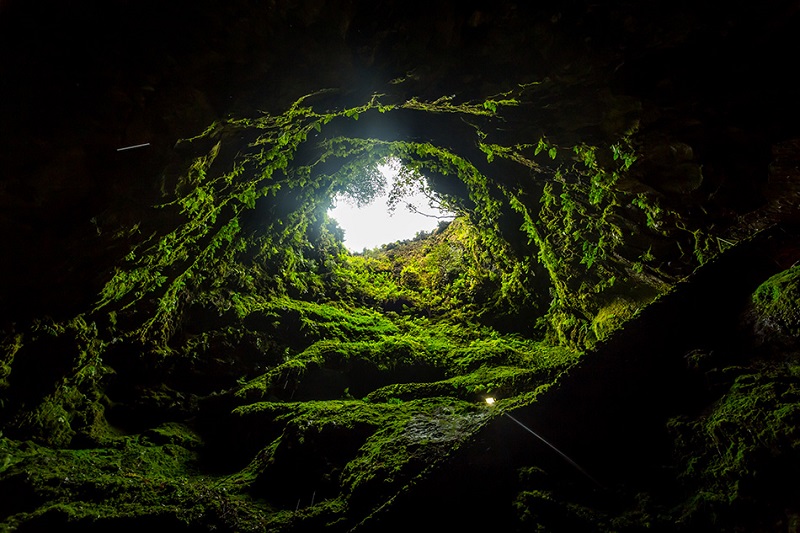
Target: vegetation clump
741 456
776 306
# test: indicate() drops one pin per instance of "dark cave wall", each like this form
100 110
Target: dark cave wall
83 80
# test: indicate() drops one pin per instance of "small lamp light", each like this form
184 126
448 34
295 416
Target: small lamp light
489 400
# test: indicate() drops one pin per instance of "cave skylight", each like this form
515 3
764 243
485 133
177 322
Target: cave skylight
376 223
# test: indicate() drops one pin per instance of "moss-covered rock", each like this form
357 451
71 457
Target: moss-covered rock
134 481
613 316
741 456
776 308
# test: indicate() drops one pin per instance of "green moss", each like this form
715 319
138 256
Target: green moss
351 451
423 433
315 413
240 291
611 317
304 322
134 480
421 350
776 304
55 387
542 510
478 266
738 456
10 346
499 382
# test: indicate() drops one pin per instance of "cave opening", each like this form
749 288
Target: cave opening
399 206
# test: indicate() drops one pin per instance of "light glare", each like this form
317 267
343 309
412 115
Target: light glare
373 225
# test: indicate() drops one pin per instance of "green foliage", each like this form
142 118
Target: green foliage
776 304
209 201
743 450
623 152
399 452
55 393
366 185
10 346
653 212
357 374
461 352
573 233
611 317
456 272
134 481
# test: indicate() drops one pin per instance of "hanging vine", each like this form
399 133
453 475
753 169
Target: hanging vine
294 162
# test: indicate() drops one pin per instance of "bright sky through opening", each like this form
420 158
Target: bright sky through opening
373 225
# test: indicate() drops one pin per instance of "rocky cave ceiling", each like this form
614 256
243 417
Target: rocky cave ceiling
705 86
